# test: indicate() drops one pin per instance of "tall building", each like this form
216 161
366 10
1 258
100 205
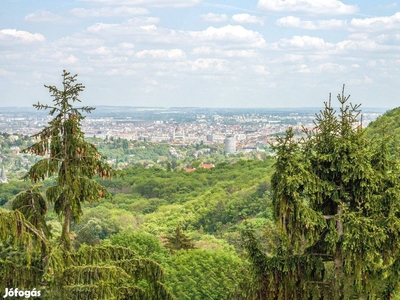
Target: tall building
179 134
3 178
230 144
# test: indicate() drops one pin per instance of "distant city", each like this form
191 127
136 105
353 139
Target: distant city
239 129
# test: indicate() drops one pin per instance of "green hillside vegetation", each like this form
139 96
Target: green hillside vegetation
319 220
390 121
211 201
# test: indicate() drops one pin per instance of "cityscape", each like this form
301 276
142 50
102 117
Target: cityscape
241 130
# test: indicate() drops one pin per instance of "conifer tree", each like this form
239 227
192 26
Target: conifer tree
335 198
178 241
110 272
67 156
33 206
17 233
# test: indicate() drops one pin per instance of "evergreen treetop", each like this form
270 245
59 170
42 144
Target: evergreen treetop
67 156
335 198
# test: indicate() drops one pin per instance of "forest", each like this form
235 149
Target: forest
318 219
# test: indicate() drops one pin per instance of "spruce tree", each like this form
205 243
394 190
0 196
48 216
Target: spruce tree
67 156
336 201
34 207
101 272
20 243
178 241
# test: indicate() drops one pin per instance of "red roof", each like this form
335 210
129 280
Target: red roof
206 166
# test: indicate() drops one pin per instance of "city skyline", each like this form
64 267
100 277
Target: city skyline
194 53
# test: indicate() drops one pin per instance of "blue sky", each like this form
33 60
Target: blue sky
197 53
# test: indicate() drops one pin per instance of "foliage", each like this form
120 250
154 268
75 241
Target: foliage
11 189
178 241
108 272
33 206
145 244
205 274
388 123
17 233
67 156
335 198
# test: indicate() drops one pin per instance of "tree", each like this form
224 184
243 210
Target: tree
144 244
33 206
100 272
207 274
16 267
68 156
178 241
106 272
335 198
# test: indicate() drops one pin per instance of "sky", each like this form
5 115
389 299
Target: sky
202 53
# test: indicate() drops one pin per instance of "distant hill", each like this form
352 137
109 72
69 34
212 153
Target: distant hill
388 123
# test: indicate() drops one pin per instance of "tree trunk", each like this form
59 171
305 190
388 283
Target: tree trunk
337 259
65 236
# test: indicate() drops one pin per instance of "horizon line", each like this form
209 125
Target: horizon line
202 107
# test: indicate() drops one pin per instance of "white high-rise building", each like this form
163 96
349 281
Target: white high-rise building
3 178
230 144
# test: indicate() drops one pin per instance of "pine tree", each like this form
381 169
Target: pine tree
34 207
179 241
110 272
16 266
68 157
335 197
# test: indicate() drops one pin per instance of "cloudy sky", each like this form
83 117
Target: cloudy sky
202 53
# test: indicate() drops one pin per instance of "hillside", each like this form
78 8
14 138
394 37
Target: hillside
389 122
209 205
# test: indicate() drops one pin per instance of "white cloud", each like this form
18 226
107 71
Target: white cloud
246 18
229 33
208 64
224 53
303 68
174 54
215 18
367 79
291 58
296 22
120 11
100 51
366 24
140 32
360 45
78 41
303 42
308 6
389 6
331 68
69 60
4 72
156 3
377 23
358 36
260 69
135 26
43 16
14 35
127 46
123 49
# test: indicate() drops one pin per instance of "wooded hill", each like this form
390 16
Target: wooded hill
319 220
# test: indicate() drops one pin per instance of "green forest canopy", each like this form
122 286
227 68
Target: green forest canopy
250 235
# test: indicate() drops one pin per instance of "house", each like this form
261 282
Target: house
206 166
